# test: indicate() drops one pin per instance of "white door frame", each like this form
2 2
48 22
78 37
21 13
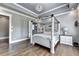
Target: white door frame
10 25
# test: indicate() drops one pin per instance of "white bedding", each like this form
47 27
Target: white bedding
43 35
47 36
44 39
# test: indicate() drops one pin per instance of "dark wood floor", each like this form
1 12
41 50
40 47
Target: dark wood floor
26 49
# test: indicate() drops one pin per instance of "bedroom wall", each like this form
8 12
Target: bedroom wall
77 28
19 26
4 26
68 20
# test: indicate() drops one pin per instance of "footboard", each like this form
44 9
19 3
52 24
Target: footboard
41 40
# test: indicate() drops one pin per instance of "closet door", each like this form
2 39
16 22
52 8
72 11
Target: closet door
24 28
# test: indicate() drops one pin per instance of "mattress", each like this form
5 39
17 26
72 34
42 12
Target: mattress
44 39
43 35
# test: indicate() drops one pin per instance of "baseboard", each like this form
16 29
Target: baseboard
18 40
1 38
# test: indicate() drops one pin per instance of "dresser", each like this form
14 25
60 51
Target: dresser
66 39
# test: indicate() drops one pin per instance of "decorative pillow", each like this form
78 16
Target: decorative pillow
48 33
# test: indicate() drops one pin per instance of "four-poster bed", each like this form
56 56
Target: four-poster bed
50 38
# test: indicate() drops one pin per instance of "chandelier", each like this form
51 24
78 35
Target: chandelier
39 8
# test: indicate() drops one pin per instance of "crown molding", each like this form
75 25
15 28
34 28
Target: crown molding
41 13
52 9
9 10
62 13
33 13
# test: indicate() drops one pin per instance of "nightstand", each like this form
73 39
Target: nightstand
66 39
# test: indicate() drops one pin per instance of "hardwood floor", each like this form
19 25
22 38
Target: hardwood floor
26 49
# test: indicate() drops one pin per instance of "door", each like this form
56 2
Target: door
10 26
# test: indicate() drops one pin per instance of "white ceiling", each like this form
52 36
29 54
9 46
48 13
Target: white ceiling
48 8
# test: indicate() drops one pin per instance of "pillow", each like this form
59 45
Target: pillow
49 33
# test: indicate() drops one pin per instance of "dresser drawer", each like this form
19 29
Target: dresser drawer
66 40
62 38
62 42
69 40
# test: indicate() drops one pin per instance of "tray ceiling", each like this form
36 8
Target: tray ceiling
45 6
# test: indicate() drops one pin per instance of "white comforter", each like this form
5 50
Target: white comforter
44 39
43 35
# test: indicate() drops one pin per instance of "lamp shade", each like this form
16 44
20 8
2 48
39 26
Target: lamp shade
65 29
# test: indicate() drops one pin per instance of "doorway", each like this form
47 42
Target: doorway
5 27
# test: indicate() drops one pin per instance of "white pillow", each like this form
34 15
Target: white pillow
49 33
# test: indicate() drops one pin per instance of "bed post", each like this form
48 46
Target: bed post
30 31
52 35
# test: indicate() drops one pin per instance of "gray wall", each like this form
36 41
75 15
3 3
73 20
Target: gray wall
4 26
19 25
68 20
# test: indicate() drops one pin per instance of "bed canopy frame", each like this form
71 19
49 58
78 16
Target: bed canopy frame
53 20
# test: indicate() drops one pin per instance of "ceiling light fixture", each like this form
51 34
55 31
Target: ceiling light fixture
39 8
